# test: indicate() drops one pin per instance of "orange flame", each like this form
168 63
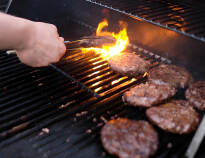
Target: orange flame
102 25
108 50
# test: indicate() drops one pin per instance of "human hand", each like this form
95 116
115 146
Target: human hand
41 45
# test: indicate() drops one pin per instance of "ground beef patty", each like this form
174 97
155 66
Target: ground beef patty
148 94
95 41
175 116
128 64
91 41
170 74
196 94
129 139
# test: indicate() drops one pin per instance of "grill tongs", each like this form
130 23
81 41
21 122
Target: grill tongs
84 42
89 41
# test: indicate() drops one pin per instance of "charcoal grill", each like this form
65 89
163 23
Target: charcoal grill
58 111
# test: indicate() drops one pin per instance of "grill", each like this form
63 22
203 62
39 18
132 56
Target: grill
58 111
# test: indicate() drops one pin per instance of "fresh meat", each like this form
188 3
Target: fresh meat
195 94
129 139
170 74
148 94
175 116
128 64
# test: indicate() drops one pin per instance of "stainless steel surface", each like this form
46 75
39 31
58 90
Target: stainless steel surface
196 141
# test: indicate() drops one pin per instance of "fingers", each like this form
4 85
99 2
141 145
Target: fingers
61 39
44 47
54 28
62 49
25 57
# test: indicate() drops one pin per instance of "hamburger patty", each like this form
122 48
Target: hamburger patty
195 94
94 41
170 74
129 139
175 116
128 64
148 94
91 41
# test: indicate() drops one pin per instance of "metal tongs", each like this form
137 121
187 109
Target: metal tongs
89 41
84 42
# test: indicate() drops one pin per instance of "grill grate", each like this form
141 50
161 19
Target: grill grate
85 141
93 72
46 114
26 97
179 16
33 99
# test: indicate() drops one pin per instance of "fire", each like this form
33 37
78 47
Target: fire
102 25
108 50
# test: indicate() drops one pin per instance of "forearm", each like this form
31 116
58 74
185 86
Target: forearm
13 31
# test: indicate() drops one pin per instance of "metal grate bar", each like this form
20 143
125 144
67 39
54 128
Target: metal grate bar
40 126
82 130
45 108
9 60
22 96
